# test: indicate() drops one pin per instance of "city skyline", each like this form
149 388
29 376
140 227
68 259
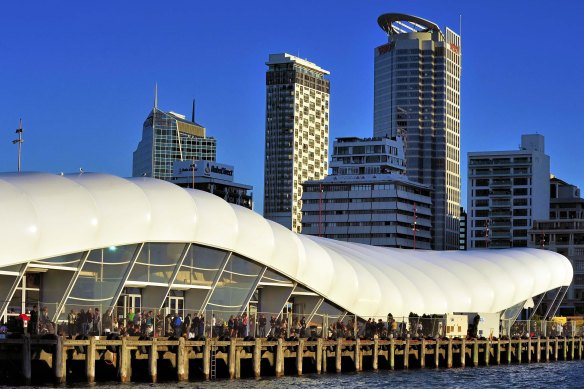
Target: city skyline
82 84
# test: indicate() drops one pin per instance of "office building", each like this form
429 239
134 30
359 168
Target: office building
367 198
417 97
563 232
507 190
169 137
214 178
297 131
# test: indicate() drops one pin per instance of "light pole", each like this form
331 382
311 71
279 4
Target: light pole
19 141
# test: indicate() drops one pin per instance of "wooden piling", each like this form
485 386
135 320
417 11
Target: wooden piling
538 350
299 356
207 359
26 360
565 348
59 362
90 360
182 367
238 363
449 354
498 356
407 354
463 353
338 355
475 353
437 354
231 359
375 354
519 350
153 361
319 358
509 351
547 349
279 364
572 350
124 362
556 349
487 355
392 353
257 358
357 355
422 354
529 350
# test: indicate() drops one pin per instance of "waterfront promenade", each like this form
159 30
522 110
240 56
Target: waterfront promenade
129 359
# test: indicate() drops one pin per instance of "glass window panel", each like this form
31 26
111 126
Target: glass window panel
272 276
63 260
200 266
14 268
157 262
235 283
102 273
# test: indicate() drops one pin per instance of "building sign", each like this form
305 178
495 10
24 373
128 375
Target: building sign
455 48
385 48
209 169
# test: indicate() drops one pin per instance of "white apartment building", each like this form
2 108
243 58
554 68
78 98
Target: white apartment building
367 198
507 190
297 135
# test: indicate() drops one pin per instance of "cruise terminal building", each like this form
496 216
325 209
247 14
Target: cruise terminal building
97 240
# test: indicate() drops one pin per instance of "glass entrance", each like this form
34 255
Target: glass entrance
128 305
175 305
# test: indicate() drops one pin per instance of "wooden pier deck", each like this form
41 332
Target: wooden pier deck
211 358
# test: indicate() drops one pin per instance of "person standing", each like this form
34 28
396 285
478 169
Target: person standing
34 321
71 319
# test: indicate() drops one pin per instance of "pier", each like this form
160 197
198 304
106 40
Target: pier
130 359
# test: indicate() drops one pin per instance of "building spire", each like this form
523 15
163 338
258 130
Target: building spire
193 114
156 95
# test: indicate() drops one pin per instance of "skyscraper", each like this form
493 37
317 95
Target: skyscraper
417 97
169 136
297 135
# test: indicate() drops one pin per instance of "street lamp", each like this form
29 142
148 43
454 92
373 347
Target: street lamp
19 142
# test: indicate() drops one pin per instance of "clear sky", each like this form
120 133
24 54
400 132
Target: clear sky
82 74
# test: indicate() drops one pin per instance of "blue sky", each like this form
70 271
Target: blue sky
82 74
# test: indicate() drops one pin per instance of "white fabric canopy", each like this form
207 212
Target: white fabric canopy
44 215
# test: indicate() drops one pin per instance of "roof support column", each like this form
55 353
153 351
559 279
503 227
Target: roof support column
15 284
216 280
124 279
70 286
252 289
175 273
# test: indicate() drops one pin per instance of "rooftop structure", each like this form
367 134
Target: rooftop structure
94 236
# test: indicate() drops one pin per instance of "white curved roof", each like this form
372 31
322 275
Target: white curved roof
45 215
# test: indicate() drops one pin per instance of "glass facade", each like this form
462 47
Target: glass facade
167 137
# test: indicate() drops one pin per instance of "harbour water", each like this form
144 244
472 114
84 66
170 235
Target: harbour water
568 374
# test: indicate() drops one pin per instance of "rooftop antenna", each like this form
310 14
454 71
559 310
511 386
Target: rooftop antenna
19 141
155 95
460 29
193 114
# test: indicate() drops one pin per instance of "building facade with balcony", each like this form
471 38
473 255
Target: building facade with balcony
563 232
297 135
367 198
507 190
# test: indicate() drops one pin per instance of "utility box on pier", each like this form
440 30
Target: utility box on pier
455 326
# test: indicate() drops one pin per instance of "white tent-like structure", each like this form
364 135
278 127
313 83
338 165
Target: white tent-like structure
62 222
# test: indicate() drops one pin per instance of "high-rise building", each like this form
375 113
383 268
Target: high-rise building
507 190
563 232
417 96
297 131
367 198
168 137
